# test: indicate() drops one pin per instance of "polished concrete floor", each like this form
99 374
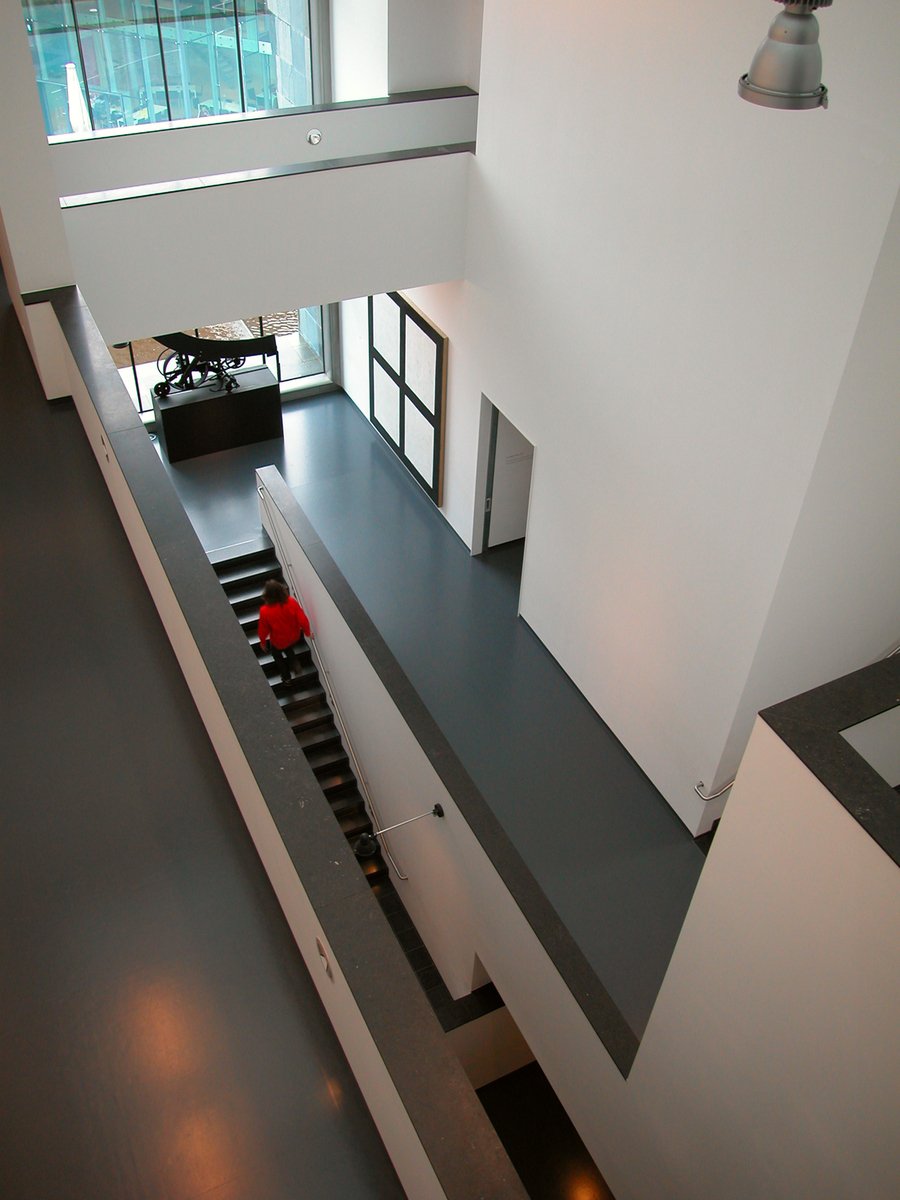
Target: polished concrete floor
160 1038
615 862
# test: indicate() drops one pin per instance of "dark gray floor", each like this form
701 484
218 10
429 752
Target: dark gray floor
615 862
159 1036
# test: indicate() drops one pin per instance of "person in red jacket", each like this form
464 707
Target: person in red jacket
282 624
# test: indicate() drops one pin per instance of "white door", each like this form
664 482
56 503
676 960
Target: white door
509 482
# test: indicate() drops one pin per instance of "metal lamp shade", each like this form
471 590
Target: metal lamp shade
786 71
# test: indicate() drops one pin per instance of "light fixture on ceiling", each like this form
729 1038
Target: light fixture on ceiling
786 71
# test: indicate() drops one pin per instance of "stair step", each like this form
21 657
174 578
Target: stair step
347 804
355 823
320 737
391 904
306 678
374 869
337 783
298 689
296 701
244 574
268 664
246 599
257 548
310 718
328 760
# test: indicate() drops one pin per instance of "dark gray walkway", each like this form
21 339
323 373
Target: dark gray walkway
615 862
159 1036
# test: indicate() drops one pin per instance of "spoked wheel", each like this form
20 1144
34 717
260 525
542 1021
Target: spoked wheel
179 371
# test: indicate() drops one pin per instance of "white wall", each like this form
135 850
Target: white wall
663 288
382 47
778 1012
359 53
216 147
836 605
355 351
33 251
35 243
433 43
173 261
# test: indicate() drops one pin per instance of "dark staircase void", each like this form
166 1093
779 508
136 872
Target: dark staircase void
305 706
551 1159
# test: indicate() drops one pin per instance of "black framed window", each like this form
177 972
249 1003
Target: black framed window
407 386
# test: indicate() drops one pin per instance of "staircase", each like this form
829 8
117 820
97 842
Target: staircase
302 700
242 572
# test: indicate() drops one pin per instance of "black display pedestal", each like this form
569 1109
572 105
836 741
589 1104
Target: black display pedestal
206 419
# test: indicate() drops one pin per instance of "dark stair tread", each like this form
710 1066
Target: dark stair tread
249 622
329 760
337 783
391 904
354 823
311 717
256 549
374 869
409 938
245 599
306 676
318 737
295 695
347 804
245 574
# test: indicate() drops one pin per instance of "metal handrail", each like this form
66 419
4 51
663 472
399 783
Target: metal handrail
325 676
722 790
713 795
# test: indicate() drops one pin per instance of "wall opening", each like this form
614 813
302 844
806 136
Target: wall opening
503 481
537 1134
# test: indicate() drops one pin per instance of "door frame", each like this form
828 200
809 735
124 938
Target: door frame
485 465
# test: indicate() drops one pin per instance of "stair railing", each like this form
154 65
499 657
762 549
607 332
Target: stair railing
327 684
722 790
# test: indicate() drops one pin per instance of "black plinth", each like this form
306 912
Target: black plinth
208 418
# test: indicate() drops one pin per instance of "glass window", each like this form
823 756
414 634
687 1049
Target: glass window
299 335
300 339
201 59
258 59
121 50
54 45
104 64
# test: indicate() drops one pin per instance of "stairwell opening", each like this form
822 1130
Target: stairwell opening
544 1146
243 571
527 1115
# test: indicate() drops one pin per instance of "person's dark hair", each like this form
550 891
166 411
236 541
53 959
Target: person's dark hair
275 592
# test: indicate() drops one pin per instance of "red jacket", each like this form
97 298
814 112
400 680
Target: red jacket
282 623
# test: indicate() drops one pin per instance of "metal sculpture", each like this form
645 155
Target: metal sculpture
189 362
